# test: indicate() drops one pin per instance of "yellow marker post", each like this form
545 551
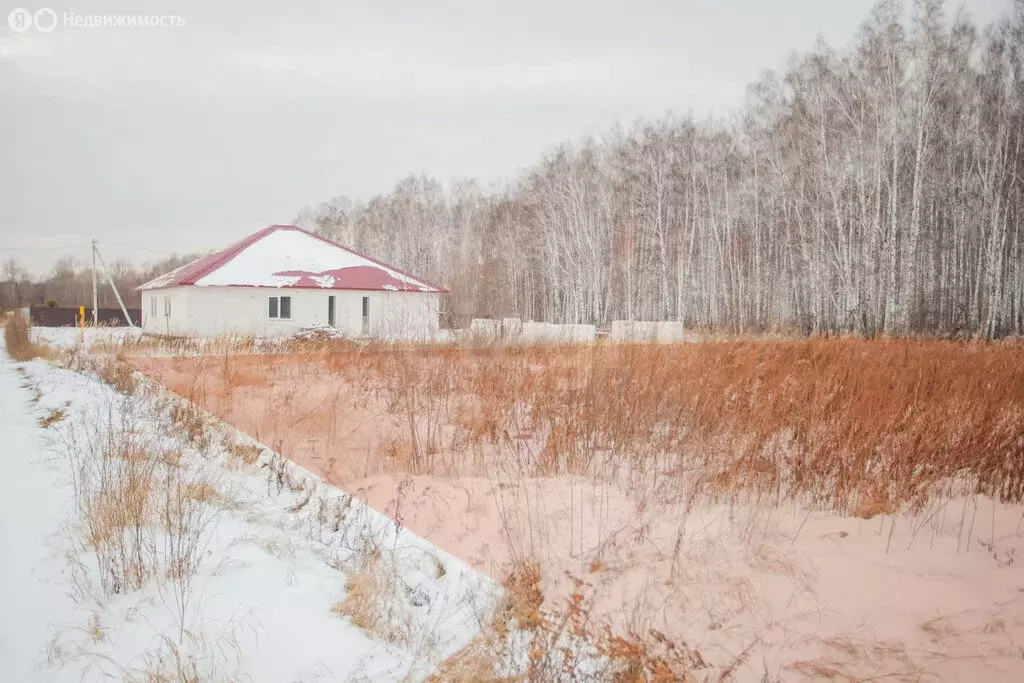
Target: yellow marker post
81 321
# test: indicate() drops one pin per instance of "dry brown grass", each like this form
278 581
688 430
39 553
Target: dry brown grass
863 425
523 597
189 659
18 340
164 344
116 372
96 630
203 492
116 514
563 644
474 663
141 515
244 453
52 418
369 602
191 423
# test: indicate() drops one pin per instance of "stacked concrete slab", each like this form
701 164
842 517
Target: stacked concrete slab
549 333
485 330
516 331
534 333
584 334
669 332
645 332
633 331
511 328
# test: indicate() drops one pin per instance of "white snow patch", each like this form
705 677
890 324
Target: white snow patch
327 281
167 279
285 280
71 337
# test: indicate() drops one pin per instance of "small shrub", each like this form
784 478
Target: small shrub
118 374
370 601
18 340
96 630
192 424
524 598
140 514
474 663
203 492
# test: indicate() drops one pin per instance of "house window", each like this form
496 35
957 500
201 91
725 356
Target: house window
152 306
280 308
167 307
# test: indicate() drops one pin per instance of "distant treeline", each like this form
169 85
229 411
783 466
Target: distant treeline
69 284
877 189
874 190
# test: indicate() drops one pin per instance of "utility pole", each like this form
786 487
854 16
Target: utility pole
113 286
95 300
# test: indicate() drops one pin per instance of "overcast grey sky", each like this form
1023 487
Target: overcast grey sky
186 138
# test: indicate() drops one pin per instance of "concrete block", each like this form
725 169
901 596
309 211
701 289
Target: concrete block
511 328
669 332
485 329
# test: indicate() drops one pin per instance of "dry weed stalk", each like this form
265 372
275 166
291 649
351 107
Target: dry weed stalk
523 642
18 340
245 453
142 515
863 426
52 418
370 600
116 372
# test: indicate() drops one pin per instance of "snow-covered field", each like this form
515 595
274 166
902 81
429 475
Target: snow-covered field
791 590
297 580
277 551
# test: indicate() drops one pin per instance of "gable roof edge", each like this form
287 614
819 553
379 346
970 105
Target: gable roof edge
220 258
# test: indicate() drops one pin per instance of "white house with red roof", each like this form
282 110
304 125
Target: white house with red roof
283 279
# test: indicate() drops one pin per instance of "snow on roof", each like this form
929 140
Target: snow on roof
287 256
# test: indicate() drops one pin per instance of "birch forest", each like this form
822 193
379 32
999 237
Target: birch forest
873 190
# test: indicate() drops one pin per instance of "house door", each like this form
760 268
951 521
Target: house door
330 311
366 315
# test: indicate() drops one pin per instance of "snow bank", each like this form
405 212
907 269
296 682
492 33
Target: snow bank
281 555
72 337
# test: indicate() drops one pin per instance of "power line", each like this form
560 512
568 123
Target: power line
69 246
133 246
83 246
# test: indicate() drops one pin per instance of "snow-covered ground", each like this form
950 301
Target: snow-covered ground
781 592
34 501
71 337
278 551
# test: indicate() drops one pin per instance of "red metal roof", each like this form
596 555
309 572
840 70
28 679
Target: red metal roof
374 275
